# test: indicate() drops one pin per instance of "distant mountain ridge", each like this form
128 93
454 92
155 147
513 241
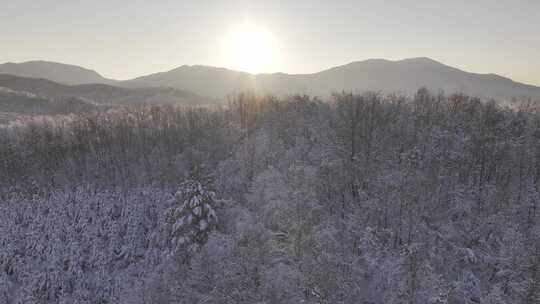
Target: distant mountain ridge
402 76
58 72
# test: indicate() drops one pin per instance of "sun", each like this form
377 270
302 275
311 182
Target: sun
250 48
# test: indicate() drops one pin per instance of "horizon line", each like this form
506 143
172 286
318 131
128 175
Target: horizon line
271 73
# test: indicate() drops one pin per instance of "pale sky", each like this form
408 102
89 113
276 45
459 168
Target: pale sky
125 39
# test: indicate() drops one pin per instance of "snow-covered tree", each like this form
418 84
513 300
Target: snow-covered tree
192 217
368 199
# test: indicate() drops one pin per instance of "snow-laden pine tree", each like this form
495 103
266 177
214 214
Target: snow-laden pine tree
192 217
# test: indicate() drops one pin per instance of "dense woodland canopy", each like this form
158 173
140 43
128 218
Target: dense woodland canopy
365 198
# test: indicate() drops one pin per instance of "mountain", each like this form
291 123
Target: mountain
403 76
205 80
59 72
101 93
406 76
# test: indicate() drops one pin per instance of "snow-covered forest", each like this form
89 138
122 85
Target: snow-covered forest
365 198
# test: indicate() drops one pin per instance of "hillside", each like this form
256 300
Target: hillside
14 103
102 93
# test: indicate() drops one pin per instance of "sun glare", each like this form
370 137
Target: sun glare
250 48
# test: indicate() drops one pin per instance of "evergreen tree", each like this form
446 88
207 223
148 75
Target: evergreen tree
192 217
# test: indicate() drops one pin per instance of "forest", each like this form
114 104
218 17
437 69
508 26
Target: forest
363 198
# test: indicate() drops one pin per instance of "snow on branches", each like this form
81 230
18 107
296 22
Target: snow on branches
192 217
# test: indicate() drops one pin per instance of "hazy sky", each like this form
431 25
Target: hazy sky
124 39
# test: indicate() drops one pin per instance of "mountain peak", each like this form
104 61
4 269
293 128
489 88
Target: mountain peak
374 63
415 60
420 60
